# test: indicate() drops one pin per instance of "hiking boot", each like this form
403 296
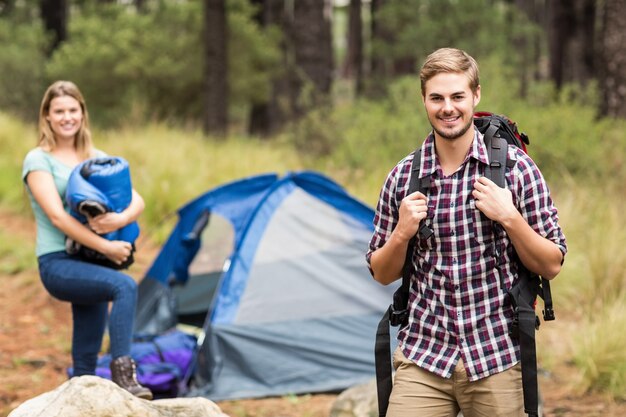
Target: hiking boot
124 374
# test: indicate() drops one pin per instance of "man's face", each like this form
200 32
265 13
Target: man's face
450 104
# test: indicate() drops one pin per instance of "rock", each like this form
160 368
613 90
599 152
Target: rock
357 401
91 396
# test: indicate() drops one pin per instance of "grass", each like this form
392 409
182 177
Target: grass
599 350
169 167
592 285
14 257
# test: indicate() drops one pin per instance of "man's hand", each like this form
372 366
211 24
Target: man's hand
413 209
495 202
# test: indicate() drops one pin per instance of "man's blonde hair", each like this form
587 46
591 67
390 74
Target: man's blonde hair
450 60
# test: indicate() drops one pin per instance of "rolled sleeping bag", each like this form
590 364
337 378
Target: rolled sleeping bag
97 186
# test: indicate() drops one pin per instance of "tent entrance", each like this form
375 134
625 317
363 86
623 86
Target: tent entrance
194 298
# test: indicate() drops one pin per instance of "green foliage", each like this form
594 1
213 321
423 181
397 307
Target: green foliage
253 56
127 62
21 67
133 66
364 139
421 26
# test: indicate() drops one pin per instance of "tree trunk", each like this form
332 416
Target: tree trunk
522 43
380 35
268 117
216 67
538 15
313 53
572 28
54 16
558 34
140 5
259 123
6 7
613 78
353 65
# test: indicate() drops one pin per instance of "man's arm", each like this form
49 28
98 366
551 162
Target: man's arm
41 185
538 254
387 261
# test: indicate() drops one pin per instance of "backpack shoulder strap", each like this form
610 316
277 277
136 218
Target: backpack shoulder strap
422 185
497 151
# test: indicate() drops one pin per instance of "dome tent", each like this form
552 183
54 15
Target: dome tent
272 270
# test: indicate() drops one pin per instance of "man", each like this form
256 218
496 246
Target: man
456 353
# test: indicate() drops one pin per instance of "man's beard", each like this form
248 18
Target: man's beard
451 135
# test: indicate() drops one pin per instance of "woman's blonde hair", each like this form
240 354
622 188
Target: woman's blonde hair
450 60
47 140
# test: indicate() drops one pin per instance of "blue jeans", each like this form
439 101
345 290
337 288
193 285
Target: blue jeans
90 287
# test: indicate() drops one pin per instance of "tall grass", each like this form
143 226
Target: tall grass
599 349
169 166
592 286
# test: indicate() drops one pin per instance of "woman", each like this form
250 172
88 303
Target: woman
64 142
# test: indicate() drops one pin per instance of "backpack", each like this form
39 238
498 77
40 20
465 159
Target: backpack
499 131
164 362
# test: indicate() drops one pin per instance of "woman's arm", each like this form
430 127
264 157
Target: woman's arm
41 185
109 222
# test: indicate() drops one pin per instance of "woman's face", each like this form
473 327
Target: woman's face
65 117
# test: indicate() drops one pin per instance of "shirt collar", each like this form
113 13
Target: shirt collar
428 165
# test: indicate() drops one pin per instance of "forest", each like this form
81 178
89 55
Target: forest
197 92
256 66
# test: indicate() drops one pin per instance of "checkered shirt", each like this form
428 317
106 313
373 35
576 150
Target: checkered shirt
458 293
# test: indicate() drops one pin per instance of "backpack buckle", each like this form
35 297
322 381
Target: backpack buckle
548 314
514 329
397 317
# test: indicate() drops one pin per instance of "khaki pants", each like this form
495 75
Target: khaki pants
419 393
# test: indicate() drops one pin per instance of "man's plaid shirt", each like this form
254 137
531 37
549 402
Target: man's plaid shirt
458 293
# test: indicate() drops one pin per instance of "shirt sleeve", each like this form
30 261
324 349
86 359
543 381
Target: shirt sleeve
386 216
535 203
35 160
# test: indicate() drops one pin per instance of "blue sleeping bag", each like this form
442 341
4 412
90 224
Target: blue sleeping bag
97 186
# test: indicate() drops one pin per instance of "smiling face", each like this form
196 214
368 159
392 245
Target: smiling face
65 117
450 104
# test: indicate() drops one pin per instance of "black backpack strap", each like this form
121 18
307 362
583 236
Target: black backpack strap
524 293
398 312
546 295
497 149
523 296
382 356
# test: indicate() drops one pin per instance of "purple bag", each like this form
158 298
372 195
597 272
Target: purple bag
163 361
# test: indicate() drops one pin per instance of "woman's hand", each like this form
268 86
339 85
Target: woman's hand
107 222
117 251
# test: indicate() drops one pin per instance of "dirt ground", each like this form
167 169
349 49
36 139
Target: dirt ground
35 337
